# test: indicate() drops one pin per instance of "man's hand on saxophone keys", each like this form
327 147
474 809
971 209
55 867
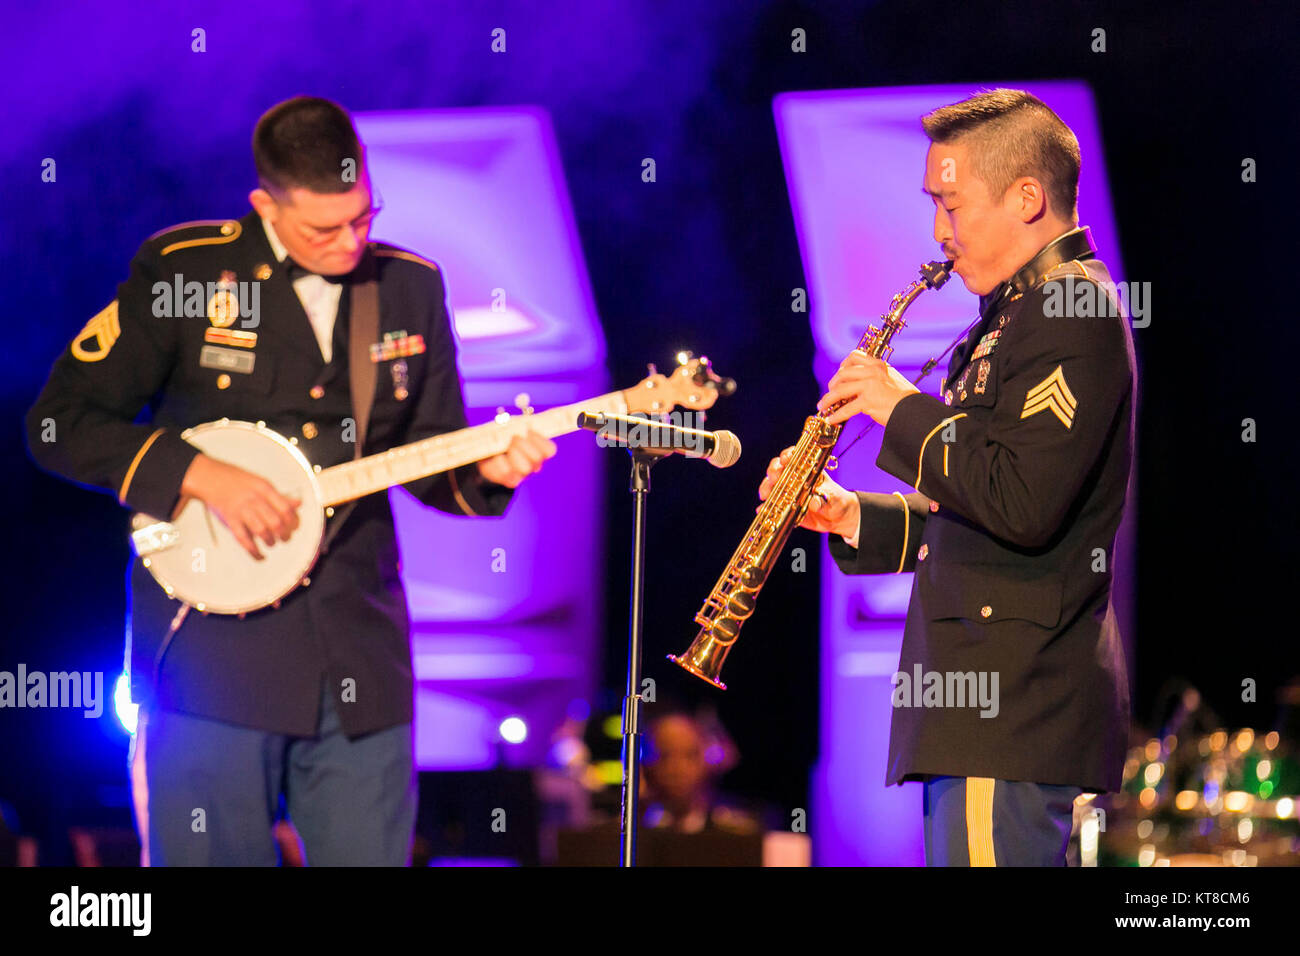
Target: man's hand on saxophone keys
869 385
832 508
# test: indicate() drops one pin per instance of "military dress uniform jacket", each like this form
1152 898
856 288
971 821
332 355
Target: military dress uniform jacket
1020 474
264 670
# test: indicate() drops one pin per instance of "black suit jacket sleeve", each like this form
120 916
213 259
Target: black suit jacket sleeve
82 425
889 533
1017 472
440 407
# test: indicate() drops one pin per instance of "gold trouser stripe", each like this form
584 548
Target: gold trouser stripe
907 527
209 241
979 821
945 460
130 472
920 459
460 499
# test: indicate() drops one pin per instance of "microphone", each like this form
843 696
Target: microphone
721 449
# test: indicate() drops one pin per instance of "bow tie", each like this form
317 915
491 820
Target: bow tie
296 272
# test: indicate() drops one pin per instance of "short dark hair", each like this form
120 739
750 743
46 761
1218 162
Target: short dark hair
304 142
1010 134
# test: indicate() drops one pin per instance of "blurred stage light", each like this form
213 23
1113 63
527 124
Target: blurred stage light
126 711
513 730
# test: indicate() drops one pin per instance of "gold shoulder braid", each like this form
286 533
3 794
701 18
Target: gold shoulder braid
403 254
229 231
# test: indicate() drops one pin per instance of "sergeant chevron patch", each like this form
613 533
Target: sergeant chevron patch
103 329
1053 395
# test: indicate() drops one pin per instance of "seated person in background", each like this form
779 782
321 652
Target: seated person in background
679 779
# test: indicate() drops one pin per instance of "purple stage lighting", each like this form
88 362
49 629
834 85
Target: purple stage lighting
503 613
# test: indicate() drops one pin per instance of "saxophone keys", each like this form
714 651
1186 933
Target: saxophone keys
832 463
741 605
725 630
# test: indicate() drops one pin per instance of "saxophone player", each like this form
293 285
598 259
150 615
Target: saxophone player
1019 473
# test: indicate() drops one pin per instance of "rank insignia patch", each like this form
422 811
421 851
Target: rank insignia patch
1053 395
982 376
103 329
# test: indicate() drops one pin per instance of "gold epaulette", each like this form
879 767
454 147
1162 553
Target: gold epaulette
227 230
1072 267
393 252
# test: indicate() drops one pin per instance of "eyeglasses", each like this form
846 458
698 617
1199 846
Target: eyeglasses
320 236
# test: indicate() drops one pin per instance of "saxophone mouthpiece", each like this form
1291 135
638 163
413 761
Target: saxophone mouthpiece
937 273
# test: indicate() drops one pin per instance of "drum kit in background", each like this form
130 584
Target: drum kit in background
1202 797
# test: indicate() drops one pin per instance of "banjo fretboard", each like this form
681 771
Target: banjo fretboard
430 456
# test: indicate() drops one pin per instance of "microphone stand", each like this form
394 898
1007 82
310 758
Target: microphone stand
643 458
642 461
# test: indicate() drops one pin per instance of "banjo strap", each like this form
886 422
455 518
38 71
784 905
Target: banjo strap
363 328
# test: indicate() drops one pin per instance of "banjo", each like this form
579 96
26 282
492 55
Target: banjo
198 561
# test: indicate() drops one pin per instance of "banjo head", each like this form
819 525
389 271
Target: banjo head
195 557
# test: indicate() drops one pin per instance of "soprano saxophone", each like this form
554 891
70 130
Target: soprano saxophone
735 595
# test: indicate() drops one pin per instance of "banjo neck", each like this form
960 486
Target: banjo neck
229 581
430 456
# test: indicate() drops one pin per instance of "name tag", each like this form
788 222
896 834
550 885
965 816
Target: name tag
228 360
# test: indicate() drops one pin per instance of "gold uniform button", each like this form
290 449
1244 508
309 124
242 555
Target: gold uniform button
934 506
921 555
227 228
309 430
262 272
223 381
986 611
317 391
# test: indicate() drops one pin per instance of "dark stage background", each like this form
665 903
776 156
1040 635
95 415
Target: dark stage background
149 134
